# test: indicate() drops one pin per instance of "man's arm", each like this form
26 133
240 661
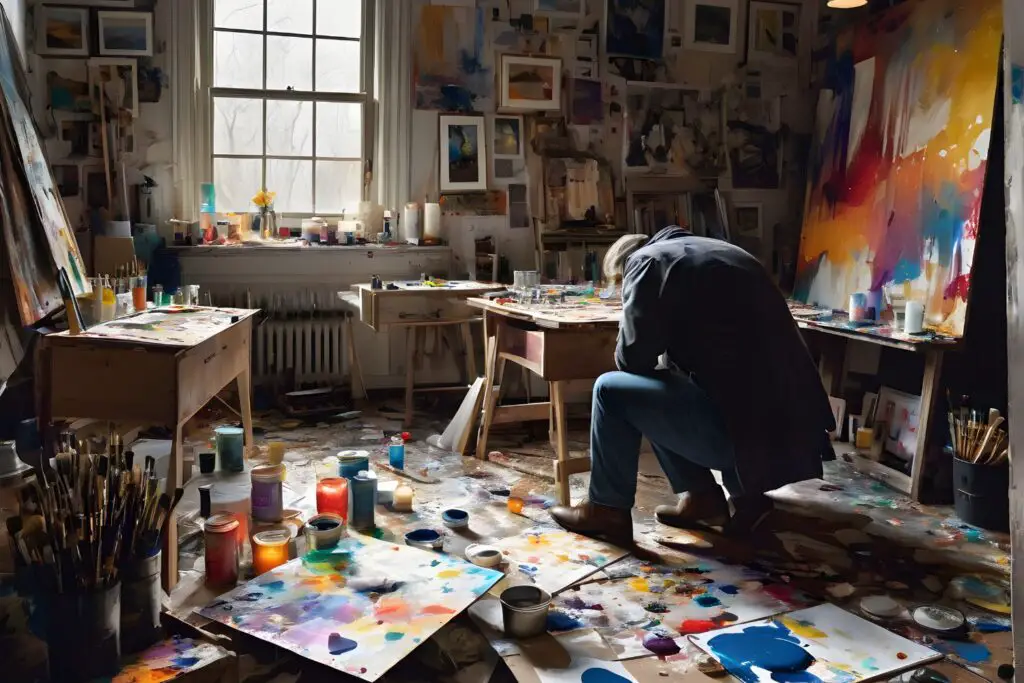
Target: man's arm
642 337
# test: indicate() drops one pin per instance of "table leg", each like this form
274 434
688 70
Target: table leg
929 397
467 343
244 382
354 369
562 447
490 371
552 431
830 366
169 556
410 371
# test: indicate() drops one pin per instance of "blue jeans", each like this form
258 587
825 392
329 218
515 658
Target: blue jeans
685 429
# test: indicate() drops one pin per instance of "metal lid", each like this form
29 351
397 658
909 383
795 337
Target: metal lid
221 523
268 473
274 537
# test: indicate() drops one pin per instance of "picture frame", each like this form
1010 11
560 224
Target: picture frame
749 219
711 25
900 412
124 34
101 69
463 157
507 135
773 33
636 28
119 4
530 83
62 31
567 9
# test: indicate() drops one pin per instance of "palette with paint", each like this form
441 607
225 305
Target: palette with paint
823 643
554 559
643 605
169 660
360 607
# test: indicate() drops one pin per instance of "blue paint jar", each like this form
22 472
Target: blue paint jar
231 448
396 453
363 488
351 463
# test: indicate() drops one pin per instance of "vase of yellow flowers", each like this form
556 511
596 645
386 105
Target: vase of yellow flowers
264 201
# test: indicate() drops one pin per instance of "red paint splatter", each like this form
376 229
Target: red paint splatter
779 591
958 288
901 655
691 626
436 609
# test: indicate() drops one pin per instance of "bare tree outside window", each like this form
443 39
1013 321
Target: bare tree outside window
289 109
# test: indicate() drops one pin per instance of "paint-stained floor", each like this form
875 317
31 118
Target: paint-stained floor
836 540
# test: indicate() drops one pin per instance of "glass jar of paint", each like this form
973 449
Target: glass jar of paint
364 496
351 463
268 493
396 453
402 500
332 496
220 533
230 451
269 550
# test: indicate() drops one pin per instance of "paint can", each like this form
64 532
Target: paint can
386 492
364 497
230 448
455 519
913 318
425 539
980 494
220 534
351 463
396 453
524 611
859 312
267 493
83 634
945 621
270 550
140 604
483 555
324 531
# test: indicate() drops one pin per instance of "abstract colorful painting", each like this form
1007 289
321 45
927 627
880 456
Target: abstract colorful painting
641 604
636 28
898 162
464 153
821 644
554 559
451 69
360 608
169 660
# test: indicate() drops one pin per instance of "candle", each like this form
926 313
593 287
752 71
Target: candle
267 493
221 536
332 496
269 550
403 498
364 495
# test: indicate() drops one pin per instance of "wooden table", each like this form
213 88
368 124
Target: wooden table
557 343
155 368
838 332
417 307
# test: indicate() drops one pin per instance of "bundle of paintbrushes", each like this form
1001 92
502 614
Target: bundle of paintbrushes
82 520
977 440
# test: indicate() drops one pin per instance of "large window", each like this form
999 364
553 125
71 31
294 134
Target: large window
290 79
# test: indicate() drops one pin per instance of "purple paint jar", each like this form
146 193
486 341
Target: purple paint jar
267 493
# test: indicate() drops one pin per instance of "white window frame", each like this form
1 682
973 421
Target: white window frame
364 97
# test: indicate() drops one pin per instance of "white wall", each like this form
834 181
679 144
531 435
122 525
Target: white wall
15 10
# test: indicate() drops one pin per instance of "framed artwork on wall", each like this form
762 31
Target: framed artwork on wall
531 83
463 141
710 25
62 31
125 34
119 80
748 220
568 9
773 33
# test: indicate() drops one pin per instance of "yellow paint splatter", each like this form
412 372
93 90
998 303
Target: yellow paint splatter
803 629
449 573
639 584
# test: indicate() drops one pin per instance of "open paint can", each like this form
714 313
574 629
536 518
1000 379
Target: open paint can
524 611
324 531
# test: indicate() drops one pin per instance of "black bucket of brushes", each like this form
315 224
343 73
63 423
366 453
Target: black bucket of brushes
981 467
89 534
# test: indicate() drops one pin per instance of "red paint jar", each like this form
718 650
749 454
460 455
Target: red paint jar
221 536
332 496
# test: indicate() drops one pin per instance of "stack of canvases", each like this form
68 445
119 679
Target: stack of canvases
37 236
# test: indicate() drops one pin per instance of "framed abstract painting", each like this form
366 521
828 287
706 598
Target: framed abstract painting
531 83
463 144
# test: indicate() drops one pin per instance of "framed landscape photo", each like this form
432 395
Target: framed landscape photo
711 25
125 34
463 141
62 31
531 83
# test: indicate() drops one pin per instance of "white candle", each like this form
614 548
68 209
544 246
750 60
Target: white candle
403 498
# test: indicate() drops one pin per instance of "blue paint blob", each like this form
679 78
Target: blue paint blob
769 647
274 586
392 636
422 536
990 627
707 601
337 645
729 590
184 662
560 621
972 653
602 676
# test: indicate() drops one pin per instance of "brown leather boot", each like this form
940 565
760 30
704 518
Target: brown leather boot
695 510
614 525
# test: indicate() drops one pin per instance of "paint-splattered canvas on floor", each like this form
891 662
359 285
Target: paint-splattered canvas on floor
823 643
554 559
898 162
169 660
451 68
360 608
642 606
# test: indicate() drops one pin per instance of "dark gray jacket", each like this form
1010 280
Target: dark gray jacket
715 311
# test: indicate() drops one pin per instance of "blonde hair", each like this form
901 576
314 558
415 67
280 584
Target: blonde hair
615 260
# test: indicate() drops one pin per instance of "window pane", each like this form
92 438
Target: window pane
339 18
237 126
293 182
237 60
236 180
289 128
338 186
245 14
339 130
289 63
337 65
291 16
